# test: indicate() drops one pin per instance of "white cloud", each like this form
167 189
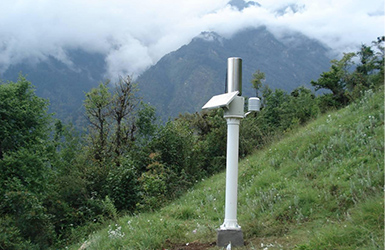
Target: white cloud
137 33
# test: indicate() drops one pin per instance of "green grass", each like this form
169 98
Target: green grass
321 187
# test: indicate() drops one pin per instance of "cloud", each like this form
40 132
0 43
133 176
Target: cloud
135 34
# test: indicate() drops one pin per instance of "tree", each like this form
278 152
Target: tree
123 106
24 129
380 59
112 118
276 105
336 79
146 122
112 131
380 52
258 78
371 68
23 116
366 55
25 167
98 112
347 83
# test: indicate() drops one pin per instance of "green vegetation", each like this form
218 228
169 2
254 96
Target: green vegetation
57 187
320 187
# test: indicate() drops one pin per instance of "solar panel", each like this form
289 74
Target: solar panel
220 101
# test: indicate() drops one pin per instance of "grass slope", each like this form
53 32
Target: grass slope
321 187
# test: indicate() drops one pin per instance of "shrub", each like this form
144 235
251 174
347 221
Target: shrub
28 214
122 185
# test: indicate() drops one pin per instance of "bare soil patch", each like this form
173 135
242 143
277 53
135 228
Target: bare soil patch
193 246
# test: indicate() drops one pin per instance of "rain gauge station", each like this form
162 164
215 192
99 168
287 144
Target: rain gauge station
233 104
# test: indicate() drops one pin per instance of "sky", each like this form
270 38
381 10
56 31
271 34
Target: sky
135 34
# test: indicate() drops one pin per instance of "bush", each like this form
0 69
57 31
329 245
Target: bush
28 214
122 185
153 185
11 237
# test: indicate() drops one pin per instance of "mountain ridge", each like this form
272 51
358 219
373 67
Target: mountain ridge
184 79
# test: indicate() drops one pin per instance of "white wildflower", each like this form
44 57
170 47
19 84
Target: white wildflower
115 233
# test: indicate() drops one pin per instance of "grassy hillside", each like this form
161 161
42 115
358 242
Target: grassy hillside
321 187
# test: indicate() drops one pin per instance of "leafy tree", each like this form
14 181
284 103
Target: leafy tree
98 112
112 118
275 107
112 115
24 129
336 80
366 56
146 122
147 129
379 44
25 166
257 80
371 61
346 82
23 116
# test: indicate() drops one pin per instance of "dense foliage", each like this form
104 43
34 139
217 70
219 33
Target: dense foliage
53 180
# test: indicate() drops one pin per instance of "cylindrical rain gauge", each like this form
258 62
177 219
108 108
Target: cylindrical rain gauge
234 75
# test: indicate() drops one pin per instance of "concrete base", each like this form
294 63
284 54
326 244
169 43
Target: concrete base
227 236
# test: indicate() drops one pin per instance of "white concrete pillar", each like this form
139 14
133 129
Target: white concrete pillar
231 222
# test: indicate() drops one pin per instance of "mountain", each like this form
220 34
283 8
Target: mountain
241 4
183 80
62 84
